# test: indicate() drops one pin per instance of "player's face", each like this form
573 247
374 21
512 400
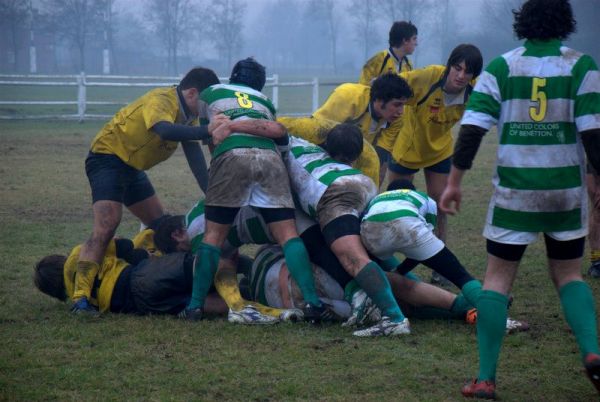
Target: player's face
391 110
410 45
458 78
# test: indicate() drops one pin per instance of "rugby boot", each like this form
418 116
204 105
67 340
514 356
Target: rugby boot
479 389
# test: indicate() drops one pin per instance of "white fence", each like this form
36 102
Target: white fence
82 82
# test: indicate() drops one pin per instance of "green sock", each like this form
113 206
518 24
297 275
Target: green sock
205 267
390 264
298 263
373 281
411 275
491 325
471 290
349 290
461 305
578 306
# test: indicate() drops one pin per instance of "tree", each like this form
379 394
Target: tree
226 28
171 19
14 14
363 14
76 21
326 11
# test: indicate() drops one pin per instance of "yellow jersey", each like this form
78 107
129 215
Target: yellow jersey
382 63
128 134
315 130
108 274
145 240
425 136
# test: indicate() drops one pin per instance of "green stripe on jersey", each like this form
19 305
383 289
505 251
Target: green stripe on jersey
537 221
299 151
390 216
196 242
587 104
484 103
538 48
516 133
520 88
241 112
243 141
539 178
215 94
318 163
330 177
397 196
195 212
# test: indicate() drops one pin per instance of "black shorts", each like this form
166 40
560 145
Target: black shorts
111 179
442 167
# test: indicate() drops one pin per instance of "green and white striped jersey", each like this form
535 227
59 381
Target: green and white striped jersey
238 102
312 171
248 227
397 204
540 96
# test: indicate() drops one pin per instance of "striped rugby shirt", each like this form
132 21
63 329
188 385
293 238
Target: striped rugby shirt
238 102
540 95
312 171
397 204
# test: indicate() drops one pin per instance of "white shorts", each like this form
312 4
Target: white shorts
507 236
408 235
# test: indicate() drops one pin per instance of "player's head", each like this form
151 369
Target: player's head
48 276
249 72
403 33
199 78
344 143
401 184
464 64
544 20
170 235
389 93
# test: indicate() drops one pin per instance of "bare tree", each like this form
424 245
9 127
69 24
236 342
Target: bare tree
363 13
326 11
14 14
76 21
400 10
171 19
226 28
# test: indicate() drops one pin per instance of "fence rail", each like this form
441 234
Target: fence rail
82 82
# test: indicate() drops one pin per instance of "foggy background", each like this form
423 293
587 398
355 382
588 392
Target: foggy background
293 37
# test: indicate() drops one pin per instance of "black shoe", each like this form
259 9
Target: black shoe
317 314
194 314
594 270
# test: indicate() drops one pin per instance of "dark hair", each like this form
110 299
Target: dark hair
468 53
390 86
544 20
401 31
249 72
48 276
344 143
199 78
163 238
401 184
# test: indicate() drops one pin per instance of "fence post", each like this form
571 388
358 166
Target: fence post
315 94
81 93
275 97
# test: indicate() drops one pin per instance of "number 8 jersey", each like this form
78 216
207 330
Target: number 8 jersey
238 102
540 95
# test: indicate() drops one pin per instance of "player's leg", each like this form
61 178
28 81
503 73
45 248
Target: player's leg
492 307
593 185
283 229
576 298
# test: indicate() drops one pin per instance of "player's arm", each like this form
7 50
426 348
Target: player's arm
591 145
170 131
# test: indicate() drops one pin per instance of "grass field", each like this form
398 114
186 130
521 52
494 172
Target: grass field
48 354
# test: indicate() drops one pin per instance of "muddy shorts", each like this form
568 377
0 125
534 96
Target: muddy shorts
348 195
249 176
408 235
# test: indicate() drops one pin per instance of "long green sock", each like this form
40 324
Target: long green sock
205 267
373 281
491 325
461 305
390 264
298 263
578 306
472 290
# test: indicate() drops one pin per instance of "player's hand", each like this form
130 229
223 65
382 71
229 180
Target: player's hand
221 132
217 121
83 306
450 200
